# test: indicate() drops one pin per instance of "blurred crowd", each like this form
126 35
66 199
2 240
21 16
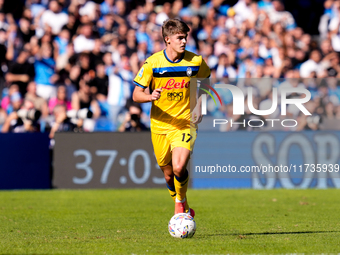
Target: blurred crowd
68 65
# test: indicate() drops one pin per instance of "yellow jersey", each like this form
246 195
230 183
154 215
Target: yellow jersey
172 110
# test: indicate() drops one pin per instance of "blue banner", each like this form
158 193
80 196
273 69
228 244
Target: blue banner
266 160
24 161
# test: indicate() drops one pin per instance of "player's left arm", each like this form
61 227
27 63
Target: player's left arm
203 75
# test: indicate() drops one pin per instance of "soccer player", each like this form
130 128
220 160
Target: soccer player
167 74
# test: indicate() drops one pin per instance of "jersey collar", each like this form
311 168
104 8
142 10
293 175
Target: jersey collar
179 60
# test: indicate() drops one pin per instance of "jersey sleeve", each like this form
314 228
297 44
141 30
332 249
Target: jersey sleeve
204 71
144 76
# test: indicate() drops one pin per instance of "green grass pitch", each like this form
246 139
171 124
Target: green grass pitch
135 222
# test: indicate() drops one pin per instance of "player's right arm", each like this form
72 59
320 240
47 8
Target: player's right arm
142 80
139 95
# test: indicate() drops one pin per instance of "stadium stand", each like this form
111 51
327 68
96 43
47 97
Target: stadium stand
84 55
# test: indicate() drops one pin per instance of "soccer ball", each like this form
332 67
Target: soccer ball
182 225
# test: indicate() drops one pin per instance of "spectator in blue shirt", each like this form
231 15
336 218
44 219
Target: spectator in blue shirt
45 72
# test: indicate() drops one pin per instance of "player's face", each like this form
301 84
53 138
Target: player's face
177 42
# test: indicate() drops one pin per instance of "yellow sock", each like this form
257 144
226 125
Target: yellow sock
181 185
172 192
186 205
